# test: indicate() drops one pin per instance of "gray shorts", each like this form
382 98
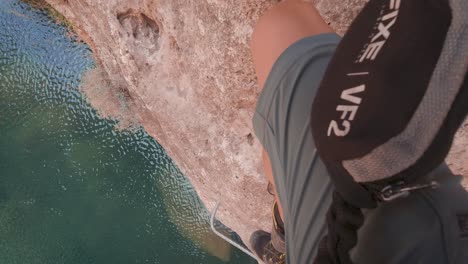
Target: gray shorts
430 226
282 124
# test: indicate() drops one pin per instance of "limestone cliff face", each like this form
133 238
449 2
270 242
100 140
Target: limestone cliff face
187 76
185 72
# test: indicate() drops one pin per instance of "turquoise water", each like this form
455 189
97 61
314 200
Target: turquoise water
73 189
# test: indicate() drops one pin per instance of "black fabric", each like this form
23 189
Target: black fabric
380 93
355 193
323 255
397 79
419 228
440 146
343 221
463 224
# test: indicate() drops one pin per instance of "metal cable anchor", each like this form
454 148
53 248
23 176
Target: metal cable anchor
227 239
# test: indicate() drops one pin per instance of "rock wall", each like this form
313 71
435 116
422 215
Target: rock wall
185 72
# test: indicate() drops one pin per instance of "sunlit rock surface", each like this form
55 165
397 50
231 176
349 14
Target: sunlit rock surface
183 70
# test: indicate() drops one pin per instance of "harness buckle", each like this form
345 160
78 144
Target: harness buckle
400 189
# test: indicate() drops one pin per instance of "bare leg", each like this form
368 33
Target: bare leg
277 29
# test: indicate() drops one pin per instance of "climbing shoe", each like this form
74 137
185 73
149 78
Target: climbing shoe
264 249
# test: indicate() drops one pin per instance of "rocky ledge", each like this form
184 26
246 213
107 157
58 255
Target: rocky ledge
182 69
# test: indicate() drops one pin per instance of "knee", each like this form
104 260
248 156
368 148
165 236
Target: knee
273 22
288 19
281 26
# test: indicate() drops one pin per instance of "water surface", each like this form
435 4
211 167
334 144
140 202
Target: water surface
73 189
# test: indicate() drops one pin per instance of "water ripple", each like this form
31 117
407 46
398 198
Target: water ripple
72 188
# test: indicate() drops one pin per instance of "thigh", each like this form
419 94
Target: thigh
290 69
282 124
279 28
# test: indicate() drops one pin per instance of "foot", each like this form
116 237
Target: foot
263 248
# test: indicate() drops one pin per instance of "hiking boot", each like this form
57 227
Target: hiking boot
263 248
